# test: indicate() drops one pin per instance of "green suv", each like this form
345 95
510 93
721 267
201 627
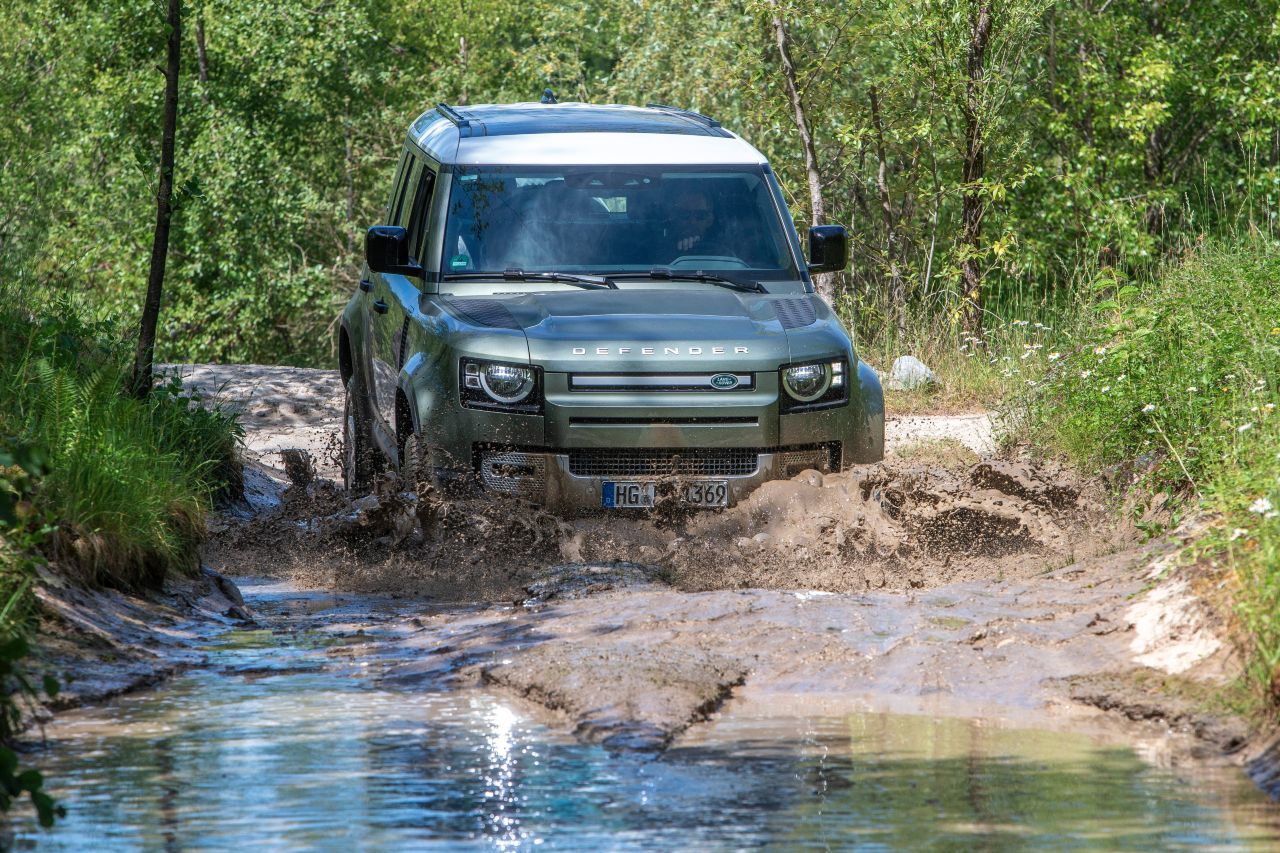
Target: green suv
593 307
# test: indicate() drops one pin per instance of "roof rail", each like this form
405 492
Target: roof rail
707 120
463 124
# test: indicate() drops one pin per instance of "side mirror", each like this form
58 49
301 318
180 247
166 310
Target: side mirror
828 248
386 250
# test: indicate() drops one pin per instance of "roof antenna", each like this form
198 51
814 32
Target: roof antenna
548 97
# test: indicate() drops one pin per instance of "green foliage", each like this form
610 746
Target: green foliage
127 481
1180 368
21 533
1180 375
1117 133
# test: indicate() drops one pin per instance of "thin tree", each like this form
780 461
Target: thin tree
972 205
817 205
144 360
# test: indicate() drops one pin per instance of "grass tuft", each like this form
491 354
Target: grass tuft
128 482
1177 380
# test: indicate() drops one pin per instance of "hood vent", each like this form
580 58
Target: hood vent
795 312
484 312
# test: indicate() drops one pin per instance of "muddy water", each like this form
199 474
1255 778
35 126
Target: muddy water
288 740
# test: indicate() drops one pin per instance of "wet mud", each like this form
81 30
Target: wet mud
947 580
895 526
101 643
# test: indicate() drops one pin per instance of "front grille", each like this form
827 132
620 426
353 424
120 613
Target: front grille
646 382
654 462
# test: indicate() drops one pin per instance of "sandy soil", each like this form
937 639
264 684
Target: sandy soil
946 580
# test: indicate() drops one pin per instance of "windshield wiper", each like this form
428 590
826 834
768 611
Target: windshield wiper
587 282
665 274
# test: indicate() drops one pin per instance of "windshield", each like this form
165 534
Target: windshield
591 219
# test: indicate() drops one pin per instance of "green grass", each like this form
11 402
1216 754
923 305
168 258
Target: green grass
126 483
1020 340
1177 380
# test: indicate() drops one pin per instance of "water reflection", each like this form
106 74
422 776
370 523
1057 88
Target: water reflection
302 756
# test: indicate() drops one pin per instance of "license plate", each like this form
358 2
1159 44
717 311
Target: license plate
640 495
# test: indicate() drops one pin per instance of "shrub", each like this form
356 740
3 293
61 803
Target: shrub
1179 378
128 481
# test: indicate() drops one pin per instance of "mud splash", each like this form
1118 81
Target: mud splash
899 525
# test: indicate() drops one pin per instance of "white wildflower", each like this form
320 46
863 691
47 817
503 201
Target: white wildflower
1244 427
1270 407
1229 376
1085 374
1099 350
1261 506
1054 356
1148 408
1237 533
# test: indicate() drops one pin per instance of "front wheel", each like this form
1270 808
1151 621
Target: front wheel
359 459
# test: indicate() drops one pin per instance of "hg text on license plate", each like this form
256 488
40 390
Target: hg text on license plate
640 495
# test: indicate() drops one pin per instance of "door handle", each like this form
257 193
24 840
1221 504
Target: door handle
366 285
381 306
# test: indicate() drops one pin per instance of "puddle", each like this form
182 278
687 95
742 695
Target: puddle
287 740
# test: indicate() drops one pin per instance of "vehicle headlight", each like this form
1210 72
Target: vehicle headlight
807 382
495 382
818 384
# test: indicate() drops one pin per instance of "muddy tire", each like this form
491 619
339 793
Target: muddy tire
414 459
359 456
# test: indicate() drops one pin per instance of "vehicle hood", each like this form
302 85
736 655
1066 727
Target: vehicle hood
661 329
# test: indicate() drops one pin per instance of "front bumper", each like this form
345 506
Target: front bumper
572 480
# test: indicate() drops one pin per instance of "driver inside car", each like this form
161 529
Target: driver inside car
694 226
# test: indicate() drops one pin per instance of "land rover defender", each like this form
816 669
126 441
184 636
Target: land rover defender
590 306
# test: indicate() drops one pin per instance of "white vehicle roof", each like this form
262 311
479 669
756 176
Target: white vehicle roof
579 134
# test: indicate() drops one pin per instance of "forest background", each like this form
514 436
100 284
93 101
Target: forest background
991 159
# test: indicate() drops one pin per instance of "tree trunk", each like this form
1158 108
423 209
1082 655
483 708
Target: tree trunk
349 176
973 207
202 59
143 362
897 287
817 209
463 59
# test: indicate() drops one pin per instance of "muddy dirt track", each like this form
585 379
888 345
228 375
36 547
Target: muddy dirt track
947 580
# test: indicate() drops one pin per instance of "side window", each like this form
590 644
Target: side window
405 204
397 190
419 215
